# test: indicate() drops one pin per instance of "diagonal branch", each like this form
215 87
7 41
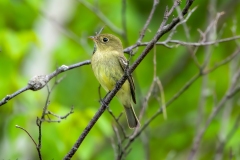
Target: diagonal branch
111 94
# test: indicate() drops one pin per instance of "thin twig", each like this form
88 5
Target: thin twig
207 57
61 117
142 34
119 143
197 44
232 90
162 95
17 126
182 22
145 101
101 16
178 42
117 121
37 145
223 62
151 88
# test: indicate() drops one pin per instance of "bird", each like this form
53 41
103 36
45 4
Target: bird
108 64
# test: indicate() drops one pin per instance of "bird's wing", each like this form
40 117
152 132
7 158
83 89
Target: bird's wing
123 63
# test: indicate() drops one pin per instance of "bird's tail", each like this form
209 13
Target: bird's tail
131 116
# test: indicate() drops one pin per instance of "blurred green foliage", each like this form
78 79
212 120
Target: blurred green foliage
20 21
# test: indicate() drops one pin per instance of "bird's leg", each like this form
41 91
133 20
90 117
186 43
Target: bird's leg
102 100
99 92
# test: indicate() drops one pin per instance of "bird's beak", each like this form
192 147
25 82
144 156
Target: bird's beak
92 37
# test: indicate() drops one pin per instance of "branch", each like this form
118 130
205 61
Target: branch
233 89
38 150
57 116
9 97
226 60
197 44
177 42
117 121
40 81
223 142
142 34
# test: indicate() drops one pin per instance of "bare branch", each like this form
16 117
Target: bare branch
60 117
119 143
38 82
142 34
233 89
158 82
117 121
17 126
197 44
178 42
38 150
145 101
235 127
182 22
149 93
223 62
9 97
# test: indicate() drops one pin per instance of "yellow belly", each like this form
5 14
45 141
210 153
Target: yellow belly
105 79
108 72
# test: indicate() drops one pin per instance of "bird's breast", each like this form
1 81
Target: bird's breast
106 69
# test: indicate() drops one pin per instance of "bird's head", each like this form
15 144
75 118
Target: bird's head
107 42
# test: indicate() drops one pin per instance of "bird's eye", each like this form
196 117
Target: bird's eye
105 39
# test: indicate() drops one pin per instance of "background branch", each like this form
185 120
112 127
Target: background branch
102 17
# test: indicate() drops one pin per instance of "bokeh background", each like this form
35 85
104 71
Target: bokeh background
38 36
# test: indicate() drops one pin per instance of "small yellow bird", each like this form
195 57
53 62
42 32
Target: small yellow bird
108 64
